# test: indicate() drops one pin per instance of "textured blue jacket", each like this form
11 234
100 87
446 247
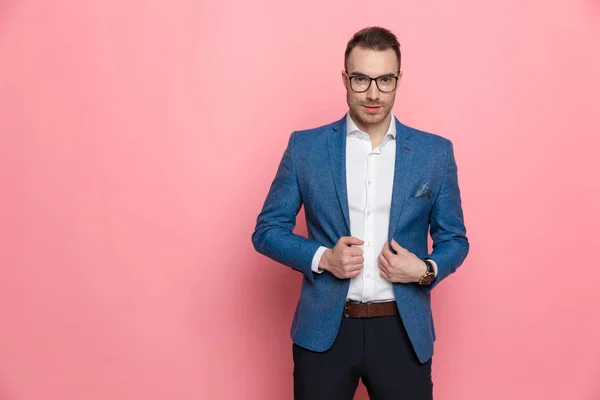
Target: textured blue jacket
312 173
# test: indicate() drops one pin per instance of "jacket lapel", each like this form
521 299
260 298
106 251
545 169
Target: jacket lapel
402 172
337 161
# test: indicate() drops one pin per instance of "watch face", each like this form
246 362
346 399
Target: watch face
428 280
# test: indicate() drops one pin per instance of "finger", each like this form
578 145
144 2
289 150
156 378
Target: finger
385 267
386 252
359 260
351 240
356 251
384 264
354 267
352 257
353 274
384 275
397 246
351 270
355 261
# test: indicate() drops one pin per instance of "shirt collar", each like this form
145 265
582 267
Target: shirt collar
351 126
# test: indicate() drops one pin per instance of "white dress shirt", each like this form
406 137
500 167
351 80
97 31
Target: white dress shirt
369 179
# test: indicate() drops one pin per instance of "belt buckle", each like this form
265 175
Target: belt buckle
346 307
368 303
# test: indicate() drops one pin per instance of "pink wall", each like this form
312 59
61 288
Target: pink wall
138 140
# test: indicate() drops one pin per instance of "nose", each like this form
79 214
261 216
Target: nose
373 92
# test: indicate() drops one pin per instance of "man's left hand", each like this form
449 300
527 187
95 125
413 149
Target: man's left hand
403 267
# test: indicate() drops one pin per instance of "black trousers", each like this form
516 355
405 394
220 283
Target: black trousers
376 350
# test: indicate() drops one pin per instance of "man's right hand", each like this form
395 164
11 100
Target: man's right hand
344 261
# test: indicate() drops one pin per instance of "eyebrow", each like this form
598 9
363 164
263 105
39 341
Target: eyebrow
357 73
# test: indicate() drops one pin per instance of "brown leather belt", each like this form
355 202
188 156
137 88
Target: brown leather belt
354 309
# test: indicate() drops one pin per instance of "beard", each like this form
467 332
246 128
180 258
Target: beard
358 111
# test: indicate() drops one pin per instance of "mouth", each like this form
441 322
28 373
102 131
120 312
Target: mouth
372 109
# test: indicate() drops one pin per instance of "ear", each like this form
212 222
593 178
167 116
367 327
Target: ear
344 79
399 75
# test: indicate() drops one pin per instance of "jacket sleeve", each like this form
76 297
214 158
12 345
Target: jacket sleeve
273 236
447 228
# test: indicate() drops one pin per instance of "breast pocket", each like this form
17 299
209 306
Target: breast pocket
421 195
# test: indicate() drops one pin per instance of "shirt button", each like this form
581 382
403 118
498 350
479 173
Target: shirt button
369 182
368 212
368 244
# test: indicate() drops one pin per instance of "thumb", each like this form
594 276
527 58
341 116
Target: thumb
350 240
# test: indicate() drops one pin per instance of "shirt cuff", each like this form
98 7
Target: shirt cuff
317 259
435 269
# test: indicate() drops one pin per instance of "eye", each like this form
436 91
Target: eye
360 79
386 79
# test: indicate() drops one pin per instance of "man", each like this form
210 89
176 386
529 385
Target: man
371 188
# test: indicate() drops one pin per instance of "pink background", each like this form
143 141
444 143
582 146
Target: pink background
139 139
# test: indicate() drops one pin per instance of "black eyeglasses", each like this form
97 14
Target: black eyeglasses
362 83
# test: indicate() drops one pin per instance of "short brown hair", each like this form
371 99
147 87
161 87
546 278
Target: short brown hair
374 38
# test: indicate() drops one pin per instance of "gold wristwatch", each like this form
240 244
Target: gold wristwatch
429 276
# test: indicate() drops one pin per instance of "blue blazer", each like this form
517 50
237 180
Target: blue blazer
312 173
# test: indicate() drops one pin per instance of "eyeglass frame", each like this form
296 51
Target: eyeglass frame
373 79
